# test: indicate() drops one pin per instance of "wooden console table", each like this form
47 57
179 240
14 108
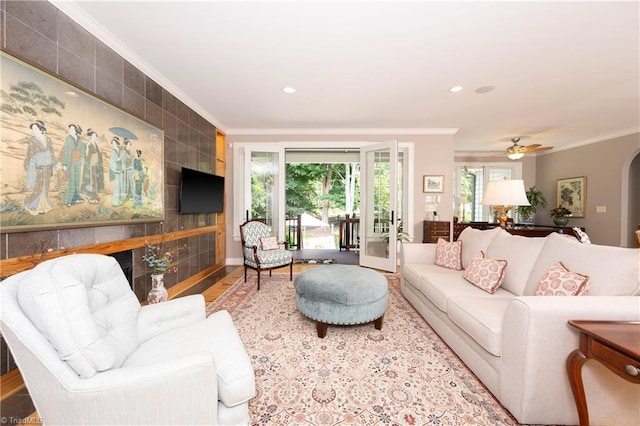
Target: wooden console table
615 344
523 230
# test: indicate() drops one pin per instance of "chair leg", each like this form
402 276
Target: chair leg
245 273
291 271
270 272
258 279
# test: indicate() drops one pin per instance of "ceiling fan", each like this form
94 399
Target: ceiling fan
515 152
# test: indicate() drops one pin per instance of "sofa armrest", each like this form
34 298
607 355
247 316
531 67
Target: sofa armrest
536 341
159 318
417 253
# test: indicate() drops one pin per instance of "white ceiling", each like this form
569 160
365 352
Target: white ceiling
565 73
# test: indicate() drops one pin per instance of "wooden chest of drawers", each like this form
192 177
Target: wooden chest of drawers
434 229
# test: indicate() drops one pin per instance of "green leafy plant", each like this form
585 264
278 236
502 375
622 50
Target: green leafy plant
536 198
560 212
402 235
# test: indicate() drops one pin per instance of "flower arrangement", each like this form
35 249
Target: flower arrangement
161 259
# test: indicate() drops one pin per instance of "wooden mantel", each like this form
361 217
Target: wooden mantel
14 265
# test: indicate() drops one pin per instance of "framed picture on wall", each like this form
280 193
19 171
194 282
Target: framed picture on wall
571 193
433 183
70 159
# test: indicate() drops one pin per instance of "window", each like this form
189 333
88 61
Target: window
469 182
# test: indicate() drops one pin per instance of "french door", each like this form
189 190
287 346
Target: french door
261 190
379 216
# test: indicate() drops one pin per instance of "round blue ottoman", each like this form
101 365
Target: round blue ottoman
341 295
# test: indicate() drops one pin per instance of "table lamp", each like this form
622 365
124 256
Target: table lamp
503 195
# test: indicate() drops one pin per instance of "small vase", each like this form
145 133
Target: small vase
561 220
158 293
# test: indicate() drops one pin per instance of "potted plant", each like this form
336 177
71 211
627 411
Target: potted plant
402 235
560 215
536 198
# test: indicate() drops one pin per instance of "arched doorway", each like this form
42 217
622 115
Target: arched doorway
631 196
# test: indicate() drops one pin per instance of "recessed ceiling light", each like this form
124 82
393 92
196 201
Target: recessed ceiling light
456 89
289 89
71 93
485 89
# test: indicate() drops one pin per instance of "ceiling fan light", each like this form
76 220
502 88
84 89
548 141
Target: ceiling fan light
515 155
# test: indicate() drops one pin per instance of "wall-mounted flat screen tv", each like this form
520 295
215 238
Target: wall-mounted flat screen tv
200 192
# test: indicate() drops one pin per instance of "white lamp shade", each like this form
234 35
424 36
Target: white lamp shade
516 155
505 193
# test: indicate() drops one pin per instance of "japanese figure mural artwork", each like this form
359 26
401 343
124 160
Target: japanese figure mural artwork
38 164
57 174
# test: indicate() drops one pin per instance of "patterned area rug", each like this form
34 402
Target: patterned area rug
357 375
314 261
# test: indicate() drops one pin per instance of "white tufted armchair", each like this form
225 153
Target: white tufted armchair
90 354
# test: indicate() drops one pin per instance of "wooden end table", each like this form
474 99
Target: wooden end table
615 344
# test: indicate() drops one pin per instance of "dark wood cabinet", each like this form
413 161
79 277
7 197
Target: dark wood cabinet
525 231
434 229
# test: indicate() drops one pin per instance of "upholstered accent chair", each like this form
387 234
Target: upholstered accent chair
90 354
262 251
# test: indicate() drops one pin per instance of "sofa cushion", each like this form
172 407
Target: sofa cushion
486 274
448 254
235 379
439 284
481 318
521 254
475 240
614 271
559 281
84 306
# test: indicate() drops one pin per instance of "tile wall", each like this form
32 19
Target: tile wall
37 32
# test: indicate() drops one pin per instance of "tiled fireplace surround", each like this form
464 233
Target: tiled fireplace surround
37 32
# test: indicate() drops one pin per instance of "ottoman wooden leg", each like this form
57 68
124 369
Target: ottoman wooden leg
378 323
322 329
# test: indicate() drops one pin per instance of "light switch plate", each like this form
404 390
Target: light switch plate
601 209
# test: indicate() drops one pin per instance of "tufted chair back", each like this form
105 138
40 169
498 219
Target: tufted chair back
83 305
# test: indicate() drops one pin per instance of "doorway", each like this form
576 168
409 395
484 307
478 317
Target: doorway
259 169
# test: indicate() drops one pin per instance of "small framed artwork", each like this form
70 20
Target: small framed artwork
433 183
571 193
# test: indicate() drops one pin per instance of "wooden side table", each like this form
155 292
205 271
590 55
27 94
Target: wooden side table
615 344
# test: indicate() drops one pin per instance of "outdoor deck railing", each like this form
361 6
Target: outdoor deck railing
349 233
293 232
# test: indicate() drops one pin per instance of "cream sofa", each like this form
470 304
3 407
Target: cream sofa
517 343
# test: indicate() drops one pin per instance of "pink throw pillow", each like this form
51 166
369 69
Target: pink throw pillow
559 281
486 274
269 243
449 255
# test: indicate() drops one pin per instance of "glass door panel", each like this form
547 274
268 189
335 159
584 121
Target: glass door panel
378 232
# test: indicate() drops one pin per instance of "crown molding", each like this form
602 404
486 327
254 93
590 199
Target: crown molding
602 138
73 11
350 131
